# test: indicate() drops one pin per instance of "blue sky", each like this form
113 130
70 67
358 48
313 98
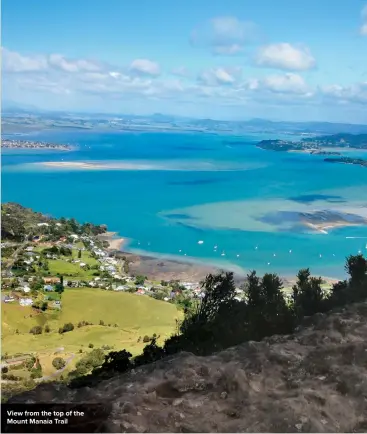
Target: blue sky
227 59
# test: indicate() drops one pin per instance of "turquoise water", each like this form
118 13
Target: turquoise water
167 191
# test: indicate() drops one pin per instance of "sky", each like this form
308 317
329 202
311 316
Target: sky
225 59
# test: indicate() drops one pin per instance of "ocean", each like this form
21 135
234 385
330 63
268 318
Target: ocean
216 199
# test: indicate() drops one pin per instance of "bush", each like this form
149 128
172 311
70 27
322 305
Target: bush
101 322
58 363
68 327
91 346
29 363
47 328
36 330
146 339
5 370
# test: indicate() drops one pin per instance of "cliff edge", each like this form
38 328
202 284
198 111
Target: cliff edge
312 381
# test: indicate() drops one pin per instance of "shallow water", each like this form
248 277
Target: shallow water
217 189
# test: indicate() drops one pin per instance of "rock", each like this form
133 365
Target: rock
224 395
177 402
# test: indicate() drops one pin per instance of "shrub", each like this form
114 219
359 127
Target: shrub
58 363
146 339
36 330
5 370
47 328
91 346
29 363
68 327
101 322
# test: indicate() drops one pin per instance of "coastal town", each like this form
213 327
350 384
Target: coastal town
30 144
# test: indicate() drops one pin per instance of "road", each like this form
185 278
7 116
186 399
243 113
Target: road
15 254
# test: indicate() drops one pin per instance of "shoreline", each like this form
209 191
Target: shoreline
114 240
160 266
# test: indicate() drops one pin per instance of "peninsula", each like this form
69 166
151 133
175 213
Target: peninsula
347 160
325 145
29 144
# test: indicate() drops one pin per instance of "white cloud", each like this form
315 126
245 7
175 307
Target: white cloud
219 76
15 62
217 86
145 67
60 62
363 29
285 56
355 93
287 83
226 35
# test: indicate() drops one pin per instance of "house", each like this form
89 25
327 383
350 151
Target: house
166 299
57 304
26 289
48 288
29 249
25 302
121 288
82 264
42 224
140 291
8 299
51 280
75 236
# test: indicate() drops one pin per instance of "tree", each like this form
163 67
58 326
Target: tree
308 296
90 345
59 288
139 280
146 338
47 328
356 267
58 363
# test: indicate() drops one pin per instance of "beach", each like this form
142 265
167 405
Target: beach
115 242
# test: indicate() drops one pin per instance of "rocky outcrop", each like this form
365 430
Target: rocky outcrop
312 381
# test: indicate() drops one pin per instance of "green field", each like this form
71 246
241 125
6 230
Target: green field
134 315
61 266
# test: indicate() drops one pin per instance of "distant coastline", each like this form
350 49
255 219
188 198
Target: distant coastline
31 144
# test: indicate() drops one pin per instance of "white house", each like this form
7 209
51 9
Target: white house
42 224
26 302
26 289
82 264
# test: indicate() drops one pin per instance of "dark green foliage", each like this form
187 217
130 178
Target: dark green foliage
58 363
151 353
139 280
356 267
307 294
118 361
68 327
36 330
29 363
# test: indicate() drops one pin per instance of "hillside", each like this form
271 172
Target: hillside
312 381
126 317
